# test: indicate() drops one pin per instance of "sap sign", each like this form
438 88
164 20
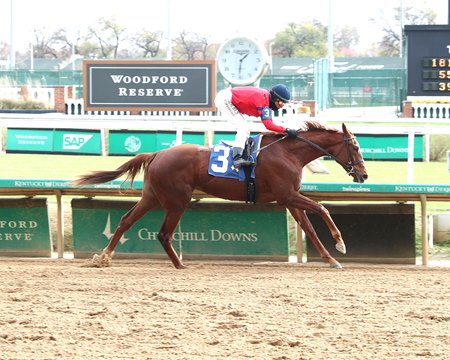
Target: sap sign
87 142
78 141
75 141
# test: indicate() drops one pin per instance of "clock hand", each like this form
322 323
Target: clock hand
240 62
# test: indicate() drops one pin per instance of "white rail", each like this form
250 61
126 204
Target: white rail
430 107
212 122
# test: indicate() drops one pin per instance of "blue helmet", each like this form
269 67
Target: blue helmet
281 92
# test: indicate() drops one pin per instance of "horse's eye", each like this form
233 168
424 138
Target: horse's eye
356 148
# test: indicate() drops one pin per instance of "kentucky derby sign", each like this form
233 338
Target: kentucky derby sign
149 85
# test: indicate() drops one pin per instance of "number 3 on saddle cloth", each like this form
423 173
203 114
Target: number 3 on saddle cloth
221 164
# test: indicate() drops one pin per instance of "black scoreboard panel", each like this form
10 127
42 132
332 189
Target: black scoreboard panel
428 60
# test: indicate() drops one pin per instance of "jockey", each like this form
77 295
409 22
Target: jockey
235 103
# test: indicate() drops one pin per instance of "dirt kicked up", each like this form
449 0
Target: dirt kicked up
62 309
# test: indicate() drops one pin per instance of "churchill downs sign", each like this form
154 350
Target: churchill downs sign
149 85
207 230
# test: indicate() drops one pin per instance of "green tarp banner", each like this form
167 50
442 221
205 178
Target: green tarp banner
24 228
207 230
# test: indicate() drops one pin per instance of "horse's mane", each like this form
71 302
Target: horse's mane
307 125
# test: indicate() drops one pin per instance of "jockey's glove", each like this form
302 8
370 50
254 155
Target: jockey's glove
291 133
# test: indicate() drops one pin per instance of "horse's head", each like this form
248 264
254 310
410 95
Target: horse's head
350 157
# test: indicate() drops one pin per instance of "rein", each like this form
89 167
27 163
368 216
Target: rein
349 166
270 144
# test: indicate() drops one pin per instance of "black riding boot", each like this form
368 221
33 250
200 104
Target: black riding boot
239 159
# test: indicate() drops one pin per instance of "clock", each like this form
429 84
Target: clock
242 61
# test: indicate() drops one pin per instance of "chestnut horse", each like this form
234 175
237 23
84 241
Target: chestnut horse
171 176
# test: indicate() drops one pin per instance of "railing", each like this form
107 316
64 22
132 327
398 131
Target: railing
76 107
209 123
431 111
428 107
316 191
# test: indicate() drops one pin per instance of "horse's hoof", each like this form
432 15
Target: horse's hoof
181 266
341 248
336 265
103 260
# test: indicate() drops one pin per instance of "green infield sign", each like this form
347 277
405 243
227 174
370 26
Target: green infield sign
207 230
59 141
24 228
29 140
123 142
389 147
78 142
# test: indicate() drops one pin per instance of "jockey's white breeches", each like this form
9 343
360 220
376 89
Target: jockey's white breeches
234 117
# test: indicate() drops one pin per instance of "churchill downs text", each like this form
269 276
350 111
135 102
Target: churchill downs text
214 235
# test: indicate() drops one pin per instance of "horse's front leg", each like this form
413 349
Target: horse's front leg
301 202
302 219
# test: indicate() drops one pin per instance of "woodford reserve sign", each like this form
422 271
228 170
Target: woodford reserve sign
149 85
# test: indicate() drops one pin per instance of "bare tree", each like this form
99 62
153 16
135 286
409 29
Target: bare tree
191 46
4 50
44 45
108 36
149 42
413 15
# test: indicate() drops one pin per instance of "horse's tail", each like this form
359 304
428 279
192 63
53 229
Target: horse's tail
131 168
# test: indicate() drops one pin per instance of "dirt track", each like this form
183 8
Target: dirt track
59 309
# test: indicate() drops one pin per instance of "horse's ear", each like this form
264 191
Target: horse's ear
344 128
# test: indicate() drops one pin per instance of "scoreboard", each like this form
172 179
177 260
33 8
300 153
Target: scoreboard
436 74
428 60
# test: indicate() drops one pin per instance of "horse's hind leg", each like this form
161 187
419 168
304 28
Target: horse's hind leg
127 220
165 234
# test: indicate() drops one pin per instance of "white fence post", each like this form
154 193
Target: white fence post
410 176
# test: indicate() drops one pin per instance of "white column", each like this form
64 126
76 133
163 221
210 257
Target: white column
12 50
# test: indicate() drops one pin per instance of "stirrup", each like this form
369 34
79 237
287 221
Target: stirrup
242 162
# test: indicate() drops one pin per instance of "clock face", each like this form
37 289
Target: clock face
241 61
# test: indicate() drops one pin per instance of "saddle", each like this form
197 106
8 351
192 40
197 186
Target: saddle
221 161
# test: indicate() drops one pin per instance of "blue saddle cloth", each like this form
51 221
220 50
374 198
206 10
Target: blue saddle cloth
221 161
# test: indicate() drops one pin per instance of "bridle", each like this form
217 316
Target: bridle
349 166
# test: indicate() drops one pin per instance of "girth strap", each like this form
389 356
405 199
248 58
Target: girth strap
250 184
